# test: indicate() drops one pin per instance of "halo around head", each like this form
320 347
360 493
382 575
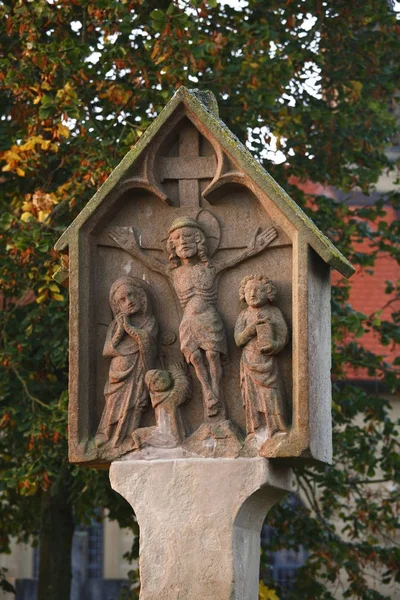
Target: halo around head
203 220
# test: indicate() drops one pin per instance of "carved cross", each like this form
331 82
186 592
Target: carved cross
189 167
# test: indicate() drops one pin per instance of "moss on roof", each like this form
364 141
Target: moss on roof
204 105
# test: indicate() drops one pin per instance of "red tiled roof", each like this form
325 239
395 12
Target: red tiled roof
367 293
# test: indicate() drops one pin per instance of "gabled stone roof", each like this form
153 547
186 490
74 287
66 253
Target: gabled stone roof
204 105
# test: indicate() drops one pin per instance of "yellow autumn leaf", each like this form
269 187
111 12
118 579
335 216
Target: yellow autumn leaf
10 155
42 216
54 287
63 130
356 85
27 207
266 593
45 144
161 58
26 216
58 297
37 99
41 298
68 91
6 168
20 172
31 143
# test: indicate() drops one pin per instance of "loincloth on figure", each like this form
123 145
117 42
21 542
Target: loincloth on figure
203 330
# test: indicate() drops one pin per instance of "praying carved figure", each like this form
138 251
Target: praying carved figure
168 391
131 345
262 332
195 280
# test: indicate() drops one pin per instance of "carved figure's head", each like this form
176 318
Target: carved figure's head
185 240
158 380
128 295
257 290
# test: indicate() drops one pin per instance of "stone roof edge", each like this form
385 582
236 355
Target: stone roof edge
119 170
205 106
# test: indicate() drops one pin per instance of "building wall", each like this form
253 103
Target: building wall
99 569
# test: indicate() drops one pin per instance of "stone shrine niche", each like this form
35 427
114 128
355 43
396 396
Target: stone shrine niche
199 305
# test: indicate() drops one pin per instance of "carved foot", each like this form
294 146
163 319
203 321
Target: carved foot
212 408
137 445
212 411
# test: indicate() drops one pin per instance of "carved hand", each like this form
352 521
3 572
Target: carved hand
118 334
250 331
262 239
130 329
124 237
270 349
121 319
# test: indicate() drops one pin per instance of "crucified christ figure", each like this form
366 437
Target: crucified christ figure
195 280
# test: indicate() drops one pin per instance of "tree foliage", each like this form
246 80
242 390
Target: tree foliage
80 83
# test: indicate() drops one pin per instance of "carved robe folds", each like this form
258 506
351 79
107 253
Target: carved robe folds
186 217
130 343
259 376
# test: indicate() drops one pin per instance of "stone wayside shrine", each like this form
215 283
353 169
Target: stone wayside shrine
199 347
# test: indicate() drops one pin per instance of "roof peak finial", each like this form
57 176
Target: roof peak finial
208 99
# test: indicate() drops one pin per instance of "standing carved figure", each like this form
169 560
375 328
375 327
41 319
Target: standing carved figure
131 345
262 332
195 280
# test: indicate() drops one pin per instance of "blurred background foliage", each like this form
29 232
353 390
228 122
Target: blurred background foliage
310 86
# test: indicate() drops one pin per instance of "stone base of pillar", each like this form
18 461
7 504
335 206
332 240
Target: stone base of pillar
200 522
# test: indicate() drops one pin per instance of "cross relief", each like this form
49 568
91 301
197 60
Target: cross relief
188 168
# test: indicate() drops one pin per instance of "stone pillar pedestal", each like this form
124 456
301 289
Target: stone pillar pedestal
200 522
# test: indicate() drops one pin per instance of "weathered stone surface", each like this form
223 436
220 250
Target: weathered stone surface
131 346
194 278
200 523
199 343
190 214
168 391
262 332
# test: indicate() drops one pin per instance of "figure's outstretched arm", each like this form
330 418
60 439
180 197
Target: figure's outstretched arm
126 239
261 239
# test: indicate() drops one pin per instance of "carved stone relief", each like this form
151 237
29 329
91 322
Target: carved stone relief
195 280
168 391
131 344
185 217
262 333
